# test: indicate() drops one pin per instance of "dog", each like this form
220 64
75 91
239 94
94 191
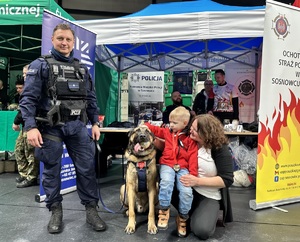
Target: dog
141 162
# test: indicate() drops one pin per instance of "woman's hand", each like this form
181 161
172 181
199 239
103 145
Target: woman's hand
189 180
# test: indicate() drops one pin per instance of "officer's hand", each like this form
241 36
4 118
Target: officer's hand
95 132
34 137
16 127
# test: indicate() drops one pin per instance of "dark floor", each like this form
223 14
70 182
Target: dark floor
24 220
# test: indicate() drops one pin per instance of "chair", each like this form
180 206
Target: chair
113 144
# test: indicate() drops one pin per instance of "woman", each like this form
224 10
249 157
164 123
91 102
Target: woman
215 175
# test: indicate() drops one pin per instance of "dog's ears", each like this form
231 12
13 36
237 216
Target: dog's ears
130 132
153 136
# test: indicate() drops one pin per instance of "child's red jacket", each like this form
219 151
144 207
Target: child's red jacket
179 149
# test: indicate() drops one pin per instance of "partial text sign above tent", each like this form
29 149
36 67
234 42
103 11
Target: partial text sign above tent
28 12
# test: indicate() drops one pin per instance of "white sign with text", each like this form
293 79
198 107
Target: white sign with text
146 86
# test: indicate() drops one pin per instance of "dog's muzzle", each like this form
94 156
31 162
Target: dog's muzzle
141 137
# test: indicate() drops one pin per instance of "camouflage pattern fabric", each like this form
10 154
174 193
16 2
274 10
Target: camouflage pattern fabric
28 166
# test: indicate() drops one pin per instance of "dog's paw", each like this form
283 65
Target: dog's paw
152 229
129 229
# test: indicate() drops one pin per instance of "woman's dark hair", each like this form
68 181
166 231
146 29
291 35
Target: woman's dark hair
211 131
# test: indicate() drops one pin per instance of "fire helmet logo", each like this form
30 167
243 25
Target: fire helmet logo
281 26
246 87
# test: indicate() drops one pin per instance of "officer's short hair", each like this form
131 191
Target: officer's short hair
63 26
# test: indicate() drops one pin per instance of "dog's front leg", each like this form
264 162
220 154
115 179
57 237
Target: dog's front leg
152 229
130 228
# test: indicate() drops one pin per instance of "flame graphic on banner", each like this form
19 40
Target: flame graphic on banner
276 144
278 160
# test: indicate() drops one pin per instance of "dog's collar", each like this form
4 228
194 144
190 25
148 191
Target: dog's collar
141 164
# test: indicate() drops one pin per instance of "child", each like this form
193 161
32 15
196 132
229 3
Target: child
179 157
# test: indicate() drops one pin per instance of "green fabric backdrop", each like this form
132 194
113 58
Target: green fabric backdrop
106 84
7 135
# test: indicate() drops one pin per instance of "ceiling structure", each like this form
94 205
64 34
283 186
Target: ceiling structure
98 9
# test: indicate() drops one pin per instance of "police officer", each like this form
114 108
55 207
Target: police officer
48 137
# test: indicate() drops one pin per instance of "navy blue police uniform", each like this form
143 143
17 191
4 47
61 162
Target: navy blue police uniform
72 131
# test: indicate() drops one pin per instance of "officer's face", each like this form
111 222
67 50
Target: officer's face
63 41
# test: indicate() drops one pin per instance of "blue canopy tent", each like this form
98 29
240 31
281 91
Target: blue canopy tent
195 29
189 35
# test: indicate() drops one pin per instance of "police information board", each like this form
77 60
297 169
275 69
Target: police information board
146 86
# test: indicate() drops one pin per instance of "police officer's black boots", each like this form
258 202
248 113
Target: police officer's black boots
92 217
55 224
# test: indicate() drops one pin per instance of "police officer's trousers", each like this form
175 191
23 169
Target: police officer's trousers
81 149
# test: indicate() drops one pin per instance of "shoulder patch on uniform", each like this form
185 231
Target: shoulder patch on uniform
32 71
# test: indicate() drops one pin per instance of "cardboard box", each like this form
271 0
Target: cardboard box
9 166
1 166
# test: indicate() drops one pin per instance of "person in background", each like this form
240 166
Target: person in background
185 88
177 102
154 114
215 175
178 84
226 103
179 157
20 86
204 100
25 70
136 115
28 166
51 120
3 97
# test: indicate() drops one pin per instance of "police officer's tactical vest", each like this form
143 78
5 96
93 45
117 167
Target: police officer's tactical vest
67 88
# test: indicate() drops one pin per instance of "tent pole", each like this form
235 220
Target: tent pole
8 76
256 82
206 55
118 113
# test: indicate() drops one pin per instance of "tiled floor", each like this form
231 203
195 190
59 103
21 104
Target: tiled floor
24 220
